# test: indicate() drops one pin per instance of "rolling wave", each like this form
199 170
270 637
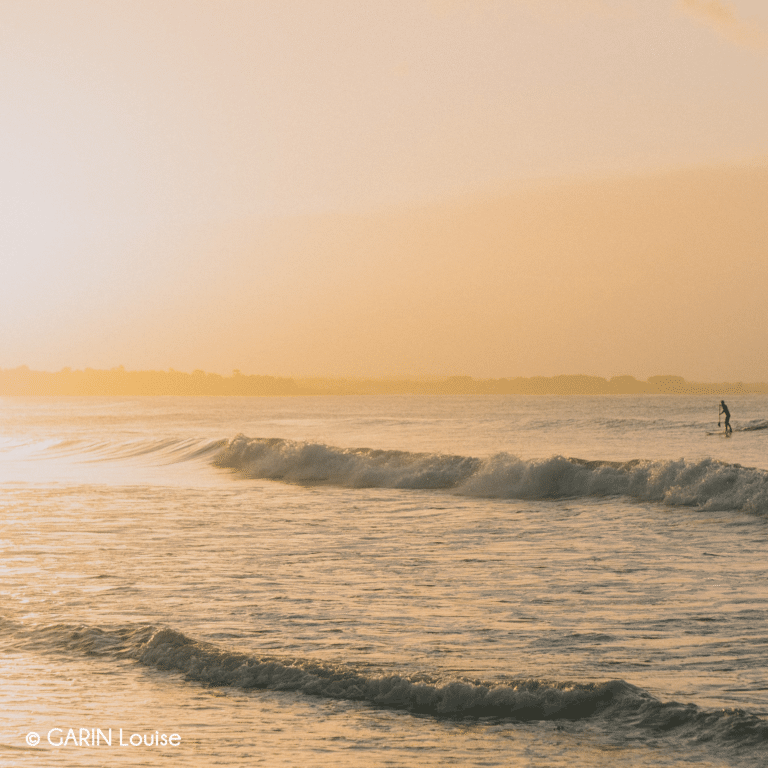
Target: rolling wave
523 700
707 484
168 450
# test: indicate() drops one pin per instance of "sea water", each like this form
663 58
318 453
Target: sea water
383 581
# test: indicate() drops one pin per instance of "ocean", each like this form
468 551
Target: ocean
383 581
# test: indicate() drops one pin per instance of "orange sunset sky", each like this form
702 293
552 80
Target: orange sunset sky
386 187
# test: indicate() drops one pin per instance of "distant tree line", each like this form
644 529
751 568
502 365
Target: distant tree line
118 381
535 385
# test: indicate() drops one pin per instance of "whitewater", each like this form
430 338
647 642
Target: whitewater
370 581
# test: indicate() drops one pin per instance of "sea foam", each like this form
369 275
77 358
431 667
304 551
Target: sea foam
704 483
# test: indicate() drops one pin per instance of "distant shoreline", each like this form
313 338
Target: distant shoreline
119 382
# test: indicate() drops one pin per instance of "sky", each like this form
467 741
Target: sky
385 188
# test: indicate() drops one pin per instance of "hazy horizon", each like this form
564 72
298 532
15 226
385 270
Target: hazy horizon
387 190
118 380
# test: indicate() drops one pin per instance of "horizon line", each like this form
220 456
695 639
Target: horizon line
23 381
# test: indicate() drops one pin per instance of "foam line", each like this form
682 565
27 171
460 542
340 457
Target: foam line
705 483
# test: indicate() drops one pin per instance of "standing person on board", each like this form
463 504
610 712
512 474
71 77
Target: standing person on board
724 409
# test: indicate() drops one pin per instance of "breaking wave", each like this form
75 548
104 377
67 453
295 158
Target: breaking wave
522 700
707 484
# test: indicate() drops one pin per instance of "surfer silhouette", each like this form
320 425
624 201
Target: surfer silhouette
724 410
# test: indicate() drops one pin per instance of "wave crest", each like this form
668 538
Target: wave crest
705 483
522 700
317 463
